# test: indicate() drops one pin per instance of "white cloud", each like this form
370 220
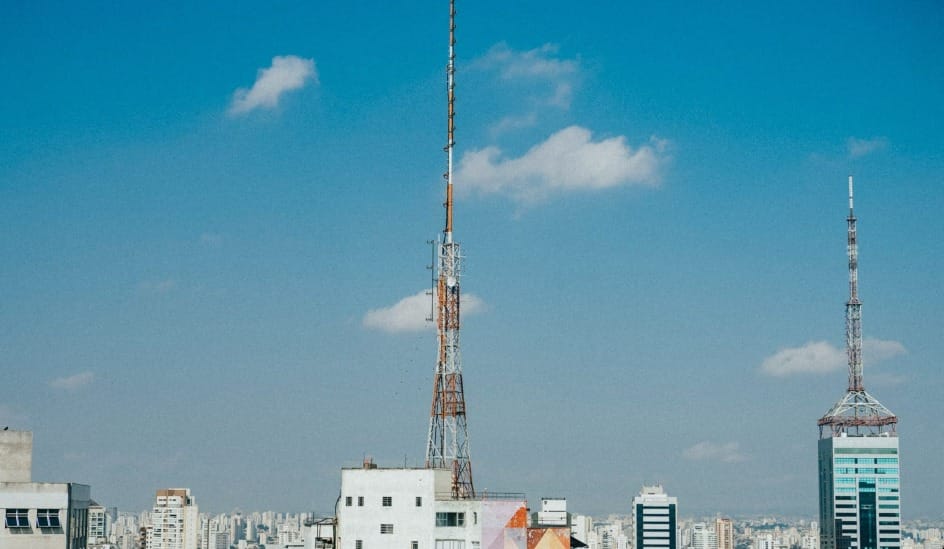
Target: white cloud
410 313
861 147
820 357
287 73
568 161
73 382
815 357
536 63
540 65
710 451
876 350
513 122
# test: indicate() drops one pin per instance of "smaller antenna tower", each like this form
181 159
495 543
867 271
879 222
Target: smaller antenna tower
857 413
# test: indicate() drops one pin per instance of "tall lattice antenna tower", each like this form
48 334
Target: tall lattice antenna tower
447 445
857 412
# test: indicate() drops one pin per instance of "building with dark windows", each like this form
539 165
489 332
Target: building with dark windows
655 519
858 484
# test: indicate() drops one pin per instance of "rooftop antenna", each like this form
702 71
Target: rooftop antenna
447 443
857 412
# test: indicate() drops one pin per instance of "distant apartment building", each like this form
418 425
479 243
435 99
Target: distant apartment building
724 529
810 539
655 516
608 535
214 534
704 536
218 540
99 524
765 541
581 528
174 520
37 515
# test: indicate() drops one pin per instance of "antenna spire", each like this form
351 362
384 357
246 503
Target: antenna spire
857 412
451 116
853 306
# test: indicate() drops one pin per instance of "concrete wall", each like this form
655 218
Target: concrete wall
16 456
33 496
497 524
403 486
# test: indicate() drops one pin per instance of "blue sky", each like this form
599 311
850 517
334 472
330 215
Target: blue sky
211 213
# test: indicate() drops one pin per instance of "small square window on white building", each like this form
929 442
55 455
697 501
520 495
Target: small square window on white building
17 518
359 544
48 518
450 519
387 501
386 528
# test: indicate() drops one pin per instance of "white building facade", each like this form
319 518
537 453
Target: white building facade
99 524
412 508
174 520
704 536
37 515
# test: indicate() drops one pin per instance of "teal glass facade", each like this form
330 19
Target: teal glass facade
859 493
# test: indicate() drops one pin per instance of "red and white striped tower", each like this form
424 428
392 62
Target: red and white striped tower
857 412
448 441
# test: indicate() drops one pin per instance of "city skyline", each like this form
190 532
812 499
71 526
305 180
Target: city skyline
216 222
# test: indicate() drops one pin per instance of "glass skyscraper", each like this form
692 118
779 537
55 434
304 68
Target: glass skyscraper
860 505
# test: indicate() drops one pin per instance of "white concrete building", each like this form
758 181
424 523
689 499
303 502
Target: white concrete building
553 512
174 520
37 515
413 508
704 536
99 524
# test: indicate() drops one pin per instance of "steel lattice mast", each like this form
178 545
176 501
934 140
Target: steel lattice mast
857 412
447 445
